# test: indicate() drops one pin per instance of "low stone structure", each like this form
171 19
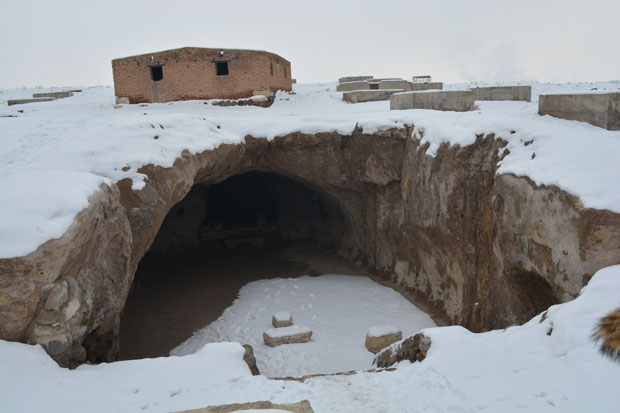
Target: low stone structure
299 407
426 86
454 100
413 348
395 84
282 319
379 338
287 335
522 93
353 79
12 102
360 96
598 109
57 95
349 86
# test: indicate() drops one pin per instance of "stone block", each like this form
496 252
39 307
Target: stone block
57 95
24 101
353 79
299 407
395 84
287 335
122 100
349 86
598 109
426 86
360 96
522 93
266 93
379 338
282 319
452 100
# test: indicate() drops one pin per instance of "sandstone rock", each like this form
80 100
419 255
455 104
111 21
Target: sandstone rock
71 308
287 335
379 338
47 317
55 345
48 330
250 360
282 319
413 348
57 297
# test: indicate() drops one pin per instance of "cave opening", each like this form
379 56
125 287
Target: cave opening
251 226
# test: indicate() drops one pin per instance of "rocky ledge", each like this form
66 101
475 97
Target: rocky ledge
488 250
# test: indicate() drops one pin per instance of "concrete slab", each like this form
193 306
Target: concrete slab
395 84
353 79
598 109
349 86
360 96
522 93
426 86
453 100
57 95
24 101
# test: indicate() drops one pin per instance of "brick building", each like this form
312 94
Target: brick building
198 73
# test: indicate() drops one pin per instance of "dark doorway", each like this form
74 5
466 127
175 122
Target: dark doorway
157 73
219 238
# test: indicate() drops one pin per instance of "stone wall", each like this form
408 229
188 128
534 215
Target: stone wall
488 250
598 109
455 100
191 73
523 93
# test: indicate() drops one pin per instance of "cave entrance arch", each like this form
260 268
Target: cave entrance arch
218 238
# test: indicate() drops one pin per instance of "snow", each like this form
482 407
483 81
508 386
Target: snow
287 331
381 331
520 368
282 316
338 309
55 155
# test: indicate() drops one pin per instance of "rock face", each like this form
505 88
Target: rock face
413 348
488 250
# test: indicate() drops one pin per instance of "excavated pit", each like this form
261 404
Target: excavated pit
487 250
217 239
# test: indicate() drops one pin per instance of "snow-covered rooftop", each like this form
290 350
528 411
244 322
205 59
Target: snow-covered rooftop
54 155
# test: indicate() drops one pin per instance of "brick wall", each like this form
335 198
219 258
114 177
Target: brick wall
190 73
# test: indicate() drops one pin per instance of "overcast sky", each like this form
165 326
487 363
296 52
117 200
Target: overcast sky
67 42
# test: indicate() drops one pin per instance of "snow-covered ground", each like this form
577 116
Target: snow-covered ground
54 155
544 365
339 309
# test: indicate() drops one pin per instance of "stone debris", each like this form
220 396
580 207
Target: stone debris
413 348
379 338
287 335
282 319
299 407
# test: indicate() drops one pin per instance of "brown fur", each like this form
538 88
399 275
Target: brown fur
608 333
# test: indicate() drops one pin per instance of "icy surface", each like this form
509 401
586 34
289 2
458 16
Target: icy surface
54 155
382 331
338 309
542 366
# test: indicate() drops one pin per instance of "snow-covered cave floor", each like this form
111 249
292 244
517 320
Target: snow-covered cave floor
338 309
521 368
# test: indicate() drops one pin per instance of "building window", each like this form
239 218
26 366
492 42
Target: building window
222 68
157 73
271 67
285 72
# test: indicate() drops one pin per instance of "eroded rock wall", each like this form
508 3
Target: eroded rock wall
488 250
